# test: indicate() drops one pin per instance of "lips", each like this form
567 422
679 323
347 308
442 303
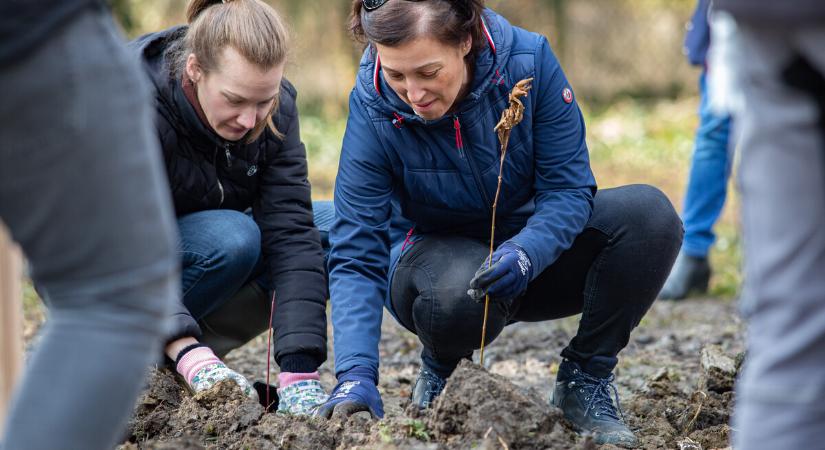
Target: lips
423 105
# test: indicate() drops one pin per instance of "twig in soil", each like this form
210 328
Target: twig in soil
500 440
268 350
692 421
510 117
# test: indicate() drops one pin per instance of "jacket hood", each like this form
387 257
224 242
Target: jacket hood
374 92
151 49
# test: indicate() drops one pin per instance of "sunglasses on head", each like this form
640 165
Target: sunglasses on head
370 5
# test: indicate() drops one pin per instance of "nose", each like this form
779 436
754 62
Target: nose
246 118
415 93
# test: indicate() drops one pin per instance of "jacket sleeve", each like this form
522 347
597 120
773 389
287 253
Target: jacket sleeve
359 257
564 183
290 242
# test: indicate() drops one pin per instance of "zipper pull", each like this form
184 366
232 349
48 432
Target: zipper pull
228 159
459 142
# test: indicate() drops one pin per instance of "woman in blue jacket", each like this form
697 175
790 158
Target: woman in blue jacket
413 197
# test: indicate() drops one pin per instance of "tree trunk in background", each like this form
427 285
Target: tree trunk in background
11 320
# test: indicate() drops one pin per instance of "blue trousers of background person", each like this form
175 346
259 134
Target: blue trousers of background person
704 199
223 278
709 172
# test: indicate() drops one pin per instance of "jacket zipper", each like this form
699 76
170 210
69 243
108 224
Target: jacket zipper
220 188
459 142
226 151
217 179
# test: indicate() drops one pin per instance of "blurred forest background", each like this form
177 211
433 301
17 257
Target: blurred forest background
623 57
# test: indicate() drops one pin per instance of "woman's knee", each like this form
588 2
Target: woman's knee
226 237
450 323
643 211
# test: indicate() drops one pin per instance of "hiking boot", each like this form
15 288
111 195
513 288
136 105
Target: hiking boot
690 274
427 387
587 404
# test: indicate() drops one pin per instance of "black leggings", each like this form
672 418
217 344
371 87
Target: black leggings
611 274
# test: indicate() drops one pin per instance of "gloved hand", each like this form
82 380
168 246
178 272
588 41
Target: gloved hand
506 278
202 370
356 391
210 375
300 394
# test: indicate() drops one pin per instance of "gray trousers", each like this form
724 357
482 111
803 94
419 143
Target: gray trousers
781 392
83 190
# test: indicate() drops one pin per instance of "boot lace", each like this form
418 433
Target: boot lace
597 395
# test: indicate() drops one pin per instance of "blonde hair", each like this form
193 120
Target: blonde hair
251 27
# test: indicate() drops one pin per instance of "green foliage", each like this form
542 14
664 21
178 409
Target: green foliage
417 429
384 432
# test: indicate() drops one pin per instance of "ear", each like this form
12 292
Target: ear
193 68
466 46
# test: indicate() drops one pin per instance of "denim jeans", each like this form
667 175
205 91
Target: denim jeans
611 275
708 179
220 251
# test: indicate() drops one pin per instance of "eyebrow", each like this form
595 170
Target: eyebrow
417 69
239 98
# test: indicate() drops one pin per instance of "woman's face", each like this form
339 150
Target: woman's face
427 74
237 95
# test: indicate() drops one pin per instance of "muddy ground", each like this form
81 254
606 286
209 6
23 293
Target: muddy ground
669 397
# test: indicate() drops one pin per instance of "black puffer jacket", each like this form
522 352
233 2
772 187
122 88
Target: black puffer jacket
269 175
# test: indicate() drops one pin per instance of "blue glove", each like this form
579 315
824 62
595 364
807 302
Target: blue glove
506 278
355 392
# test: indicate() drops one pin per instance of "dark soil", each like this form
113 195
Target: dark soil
668 398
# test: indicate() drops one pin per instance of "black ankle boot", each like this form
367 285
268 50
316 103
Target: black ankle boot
587 403
427 387
690 274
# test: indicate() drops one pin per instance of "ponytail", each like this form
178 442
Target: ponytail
196 7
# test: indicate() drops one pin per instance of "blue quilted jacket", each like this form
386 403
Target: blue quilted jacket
401 177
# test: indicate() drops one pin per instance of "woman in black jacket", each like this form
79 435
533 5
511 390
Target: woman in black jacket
228 127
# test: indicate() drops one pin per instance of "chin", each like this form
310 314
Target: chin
232 135
431 115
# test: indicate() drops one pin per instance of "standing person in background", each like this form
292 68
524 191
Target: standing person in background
709 173
228 127
82 190
419 167
776 52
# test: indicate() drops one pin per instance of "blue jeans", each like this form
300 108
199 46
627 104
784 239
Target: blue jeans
610 275
221 252
707 183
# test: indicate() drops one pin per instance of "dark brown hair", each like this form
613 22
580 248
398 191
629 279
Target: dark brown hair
399 21
251 27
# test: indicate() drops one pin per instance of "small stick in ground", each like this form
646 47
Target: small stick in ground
510 117
268 350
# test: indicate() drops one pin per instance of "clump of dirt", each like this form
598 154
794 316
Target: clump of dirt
664 416
166 410
167 416
478 406
477 409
